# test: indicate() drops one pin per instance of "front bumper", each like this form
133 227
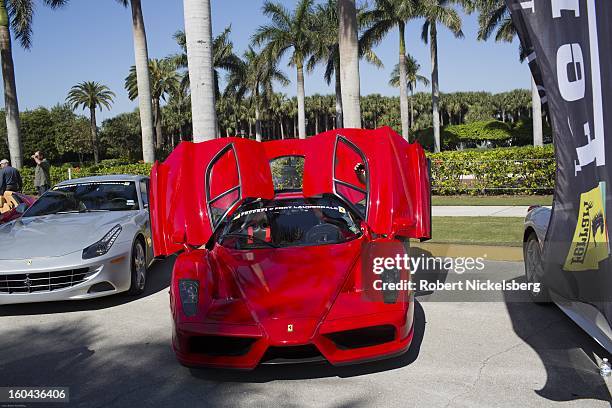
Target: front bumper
113 268
323 341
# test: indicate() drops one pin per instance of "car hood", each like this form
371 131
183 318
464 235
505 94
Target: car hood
298 282
56 235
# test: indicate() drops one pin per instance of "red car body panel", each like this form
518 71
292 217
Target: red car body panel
272 301
14 214
399 191
184 185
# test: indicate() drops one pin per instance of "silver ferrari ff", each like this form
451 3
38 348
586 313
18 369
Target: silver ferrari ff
582 311
84 238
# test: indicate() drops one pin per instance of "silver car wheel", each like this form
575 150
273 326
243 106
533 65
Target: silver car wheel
140 266
534 269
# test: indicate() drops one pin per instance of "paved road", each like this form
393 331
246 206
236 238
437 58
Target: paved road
115 352
479 211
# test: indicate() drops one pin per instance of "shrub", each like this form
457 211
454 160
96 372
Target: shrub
522 133
513 170
468 135
59 174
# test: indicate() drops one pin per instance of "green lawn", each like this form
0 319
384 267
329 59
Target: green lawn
493 200
504 231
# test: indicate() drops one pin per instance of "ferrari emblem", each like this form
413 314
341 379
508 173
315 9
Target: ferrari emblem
29 262
290 328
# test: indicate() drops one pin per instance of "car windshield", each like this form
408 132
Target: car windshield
86 197
289 222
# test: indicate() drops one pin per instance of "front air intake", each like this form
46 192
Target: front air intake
229 346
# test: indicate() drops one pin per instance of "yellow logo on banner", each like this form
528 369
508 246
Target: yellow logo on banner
590 244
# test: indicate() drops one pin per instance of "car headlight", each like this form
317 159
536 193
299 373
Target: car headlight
104 245
189 290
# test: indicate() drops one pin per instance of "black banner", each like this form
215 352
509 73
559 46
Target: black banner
568 46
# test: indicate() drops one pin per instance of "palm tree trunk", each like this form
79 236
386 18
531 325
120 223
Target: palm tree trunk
198 31
339 110
411 110
349 63
257 125
11 103
141 54
538 139
435 90
158 124
403 83
94 133
301 98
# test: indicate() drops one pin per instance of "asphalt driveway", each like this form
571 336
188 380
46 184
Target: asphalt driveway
116 352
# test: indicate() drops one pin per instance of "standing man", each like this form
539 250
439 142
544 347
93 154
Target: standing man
10 179
42 178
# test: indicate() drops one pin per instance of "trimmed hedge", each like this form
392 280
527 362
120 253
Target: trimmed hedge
511 170
59 174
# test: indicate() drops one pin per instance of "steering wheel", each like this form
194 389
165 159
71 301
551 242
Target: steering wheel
323 233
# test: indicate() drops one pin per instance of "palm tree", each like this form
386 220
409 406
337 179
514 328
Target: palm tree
438 12
164 80
387 15
177 111
16 16
327 49
289 30
141 54
91 95
255 76
199 40
495 18
349 63
412 79
224 57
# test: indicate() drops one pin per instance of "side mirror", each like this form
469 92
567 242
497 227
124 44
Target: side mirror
365 229
21 208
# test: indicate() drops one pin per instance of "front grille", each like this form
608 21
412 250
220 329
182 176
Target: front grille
364 337
41 281
292 354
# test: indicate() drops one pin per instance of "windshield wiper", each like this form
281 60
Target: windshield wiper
254 238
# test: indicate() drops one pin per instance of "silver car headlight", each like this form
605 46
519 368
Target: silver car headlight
104 245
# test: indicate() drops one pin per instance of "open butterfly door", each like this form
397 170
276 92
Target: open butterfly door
381 176
199 184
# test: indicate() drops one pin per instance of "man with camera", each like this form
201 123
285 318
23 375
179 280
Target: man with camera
42 177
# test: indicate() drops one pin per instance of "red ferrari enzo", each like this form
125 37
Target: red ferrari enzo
272 238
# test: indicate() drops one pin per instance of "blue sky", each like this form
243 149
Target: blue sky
94 43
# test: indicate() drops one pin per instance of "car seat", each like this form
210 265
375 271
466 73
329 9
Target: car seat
3 205
11 199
